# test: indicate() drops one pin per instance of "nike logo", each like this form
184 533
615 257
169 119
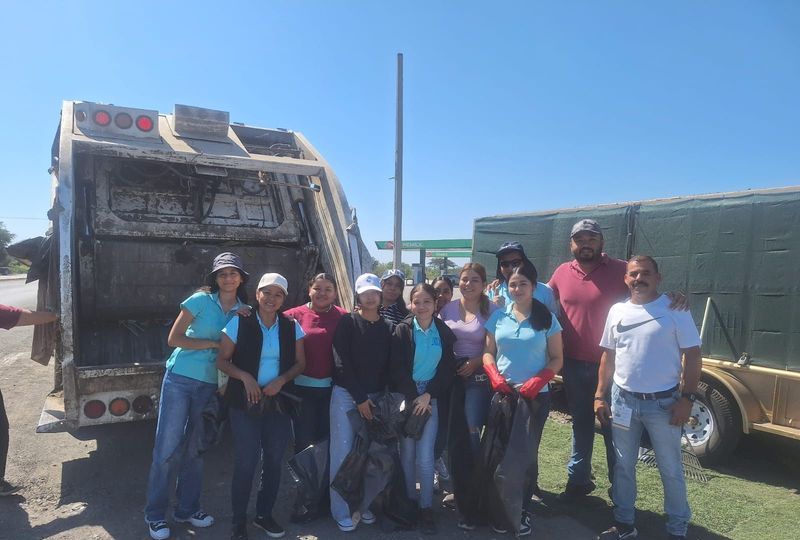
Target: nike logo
625 327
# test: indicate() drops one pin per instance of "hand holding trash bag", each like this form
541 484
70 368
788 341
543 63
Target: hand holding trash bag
531 388
498 382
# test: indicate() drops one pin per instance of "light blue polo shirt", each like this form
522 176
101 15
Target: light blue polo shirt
269 364
427 352
207 323
543 293
521 350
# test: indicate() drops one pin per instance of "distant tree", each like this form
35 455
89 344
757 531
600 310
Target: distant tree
6 237
379 268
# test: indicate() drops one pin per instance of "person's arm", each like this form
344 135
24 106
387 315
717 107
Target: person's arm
555 359
343 362
274 386
27 317
225 365
601 409
498 382
692 368
178 338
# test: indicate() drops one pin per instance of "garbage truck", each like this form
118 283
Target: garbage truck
737 256
142 201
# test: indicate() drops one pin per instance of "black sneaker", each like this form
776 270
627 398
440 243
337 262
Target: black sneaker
7 488
575 492
499 529
427 524
620 531
269 526
466 524
239 532
525 524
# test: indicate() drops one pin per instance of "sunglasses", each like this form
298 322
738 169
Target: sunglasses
511 264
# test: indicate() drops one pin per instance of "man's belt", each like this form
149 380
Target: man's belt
651 395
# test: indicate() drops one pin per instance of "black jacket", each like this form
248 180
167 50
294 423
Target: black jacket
402 366
247 354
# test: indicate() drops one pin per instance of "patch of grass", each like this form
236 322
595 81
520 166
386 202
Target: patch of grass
724 507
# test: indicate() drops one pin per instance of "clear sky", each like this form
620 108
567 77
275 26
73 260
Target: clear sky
509 106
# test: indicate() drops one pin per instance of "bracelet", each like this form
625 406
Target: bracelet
599 398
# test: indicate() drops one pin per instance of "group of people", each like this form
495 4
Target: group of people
628 355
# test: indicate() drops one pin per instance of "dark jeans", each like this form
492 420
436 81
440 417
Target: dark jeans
264 435
580 382
3 438
313 422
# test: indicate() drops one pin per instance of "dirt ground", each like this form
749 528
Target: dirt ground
93 487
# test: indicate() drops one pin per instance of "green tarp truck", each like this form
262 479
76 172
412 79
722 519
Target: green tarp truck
737 256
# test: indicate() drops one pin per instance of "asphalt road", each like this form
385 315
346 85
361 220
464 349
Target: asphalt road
93 486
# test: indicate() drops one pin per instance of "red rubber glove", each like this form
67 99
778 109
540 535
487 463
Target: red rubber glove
498 382
530 389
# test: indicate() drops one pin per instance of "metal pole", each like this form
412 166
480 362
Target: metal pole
398 168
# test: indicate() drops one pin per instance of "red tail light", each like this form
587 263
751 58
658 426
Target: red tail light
123 120
102 118
142 405
94 409
119 406
144 123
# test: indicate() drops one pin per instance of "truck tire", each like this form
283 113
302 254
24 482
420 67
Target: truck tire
715 424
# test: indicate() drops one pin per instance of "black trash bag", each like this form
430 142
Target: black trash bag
513 472
215 416
349 480
493 448
388 418
311 467
378 473
415 424
402 512
464 465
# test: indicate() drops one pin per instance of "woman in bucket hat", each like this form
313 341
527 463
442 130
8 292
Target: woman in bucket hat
189 382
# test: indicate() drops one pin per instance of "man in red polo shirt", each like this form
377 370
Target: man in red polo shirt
9 318
586 288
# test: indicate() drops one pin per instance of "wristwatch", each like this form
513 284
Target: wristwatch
691 396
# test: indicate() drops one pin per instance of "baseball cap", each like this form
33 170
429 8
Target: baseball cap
274 279
508 247
367 282
588 225
394 272
228 260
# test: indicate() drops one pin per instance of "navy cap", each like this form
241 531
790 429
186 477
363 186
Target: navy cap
588 225
228 260
509 247
394 272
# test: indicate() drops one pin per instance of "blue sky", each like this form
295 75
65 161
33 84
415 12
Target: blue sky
509 106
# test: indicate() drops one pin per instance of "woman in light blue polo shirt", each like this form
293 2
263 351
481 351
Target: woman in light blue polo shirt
422 368
523 353
190 381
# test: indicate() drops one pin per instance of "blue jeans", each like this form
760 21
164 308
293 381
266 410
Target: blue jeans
654 416
257 435
477 396
580 382
180 421
341 442
417 456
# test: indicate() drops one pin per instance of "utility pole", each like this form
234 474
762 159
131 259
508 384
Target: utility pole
398 168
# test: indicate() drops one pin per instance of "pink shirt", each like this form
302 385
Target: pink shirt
318 343
585 300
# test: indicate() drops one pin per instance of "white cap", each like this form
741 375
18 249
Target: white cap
368 282
274 279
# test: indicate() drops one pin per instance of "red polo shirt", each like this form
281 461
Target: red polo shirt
585 300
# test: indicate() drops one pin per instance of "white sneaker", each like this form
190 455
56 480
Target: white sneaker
159 530
198 519
346 525
367 517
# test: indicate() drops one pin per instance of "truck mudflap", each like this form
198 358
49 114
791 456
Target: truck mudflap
53 418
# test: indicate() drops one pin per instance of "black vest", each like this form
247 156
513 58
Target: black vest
247 354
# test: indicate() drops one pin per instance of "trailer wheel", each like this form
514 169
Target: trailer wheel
715 424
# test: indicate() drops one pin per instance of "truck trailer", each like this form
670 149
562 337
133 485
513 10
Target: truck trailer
142 202
737 257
